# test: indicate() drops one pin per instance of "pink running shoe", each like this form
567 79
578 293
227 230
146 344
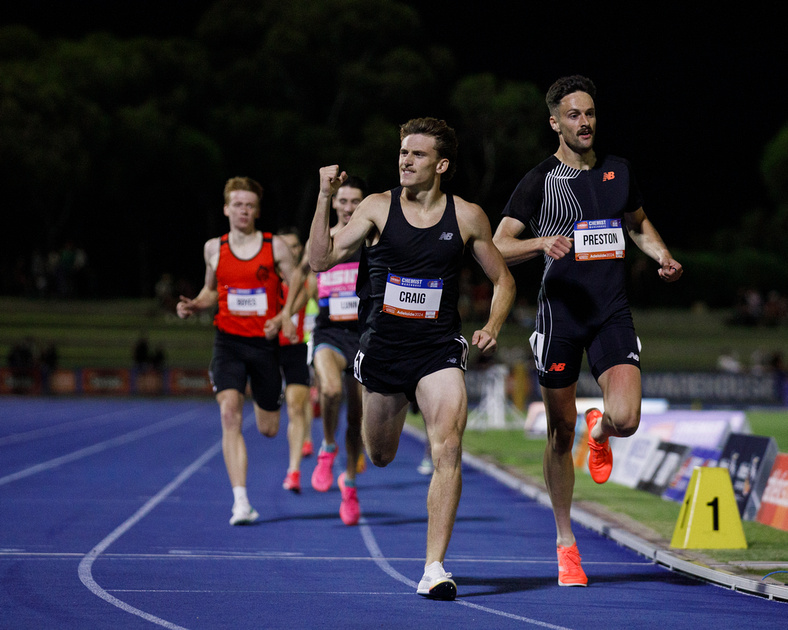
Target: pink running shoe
349 509
323 475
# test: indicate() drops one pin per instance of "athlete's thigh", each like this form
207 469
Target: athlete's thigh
384 414
621 391
329 366
443 401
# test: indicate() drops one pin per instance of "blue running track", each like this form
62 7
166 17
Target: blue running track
114 514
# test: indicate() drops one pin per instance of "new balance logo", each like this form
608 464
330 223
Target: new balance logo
606 177
557 367
632 355
446 236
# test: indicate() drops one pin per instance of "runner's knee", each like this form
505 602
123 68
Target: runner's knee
625 424
561 436
447 453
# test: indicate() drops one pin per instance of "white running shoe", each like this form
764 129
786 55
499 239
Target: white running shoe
436 583
425 467
243 514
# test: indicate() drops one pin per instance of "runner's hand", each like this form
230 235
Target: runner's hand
485 342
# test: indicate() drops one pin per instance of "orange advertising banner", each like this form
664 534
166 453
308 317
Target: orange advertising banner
774 502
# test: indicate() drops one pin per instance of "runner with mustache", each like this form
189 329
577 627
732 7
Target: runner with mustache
580 206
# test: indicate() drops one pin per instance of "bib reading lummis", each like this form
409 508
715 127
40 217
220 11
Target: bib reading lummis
408 283
249 290
336 295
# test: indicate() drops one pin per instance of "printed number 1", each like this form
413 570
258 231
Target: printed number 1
714 505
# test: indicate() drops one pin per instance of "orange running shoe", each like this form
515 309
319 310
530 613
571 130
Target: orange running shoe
307 449
600 457
361 464
293 481
570 573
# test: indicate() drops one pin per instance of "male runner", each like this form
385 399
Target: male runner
334 344
412 348
243 272
579 206
293 360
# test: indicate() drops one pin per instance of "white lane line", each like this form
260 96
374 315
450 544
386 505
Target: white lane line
86 565
63 427
100 446
380 560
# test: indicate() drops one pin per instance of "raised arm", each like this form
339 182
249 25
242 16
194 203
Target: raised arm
208 295
476 226
327 249
646 237
516 250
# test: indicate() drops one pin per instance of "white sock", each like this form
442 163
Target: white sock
239 493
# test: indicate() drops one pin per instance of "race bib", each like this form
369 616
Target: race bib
245 302
343 306
599 240
336 289
412 297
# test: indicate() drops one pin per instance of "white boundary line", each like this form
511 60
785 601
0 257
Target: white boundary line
626 539
86 565
383 564
100 446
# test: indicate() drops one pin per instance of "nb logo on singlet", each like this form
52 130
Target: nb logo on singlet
445 236
606 177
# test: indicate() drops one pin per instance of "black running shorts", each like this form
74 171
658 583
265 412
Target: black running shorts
238 360
292 360
340 340
385 376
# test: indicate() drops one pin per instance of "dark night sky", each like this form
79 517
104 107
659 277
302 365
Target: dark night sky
690 95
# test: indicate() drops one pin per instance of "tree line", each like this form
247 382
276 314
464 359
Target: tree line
121 146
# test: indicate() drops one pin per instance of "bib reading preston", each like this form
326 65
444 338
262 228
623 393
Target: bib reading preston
599 240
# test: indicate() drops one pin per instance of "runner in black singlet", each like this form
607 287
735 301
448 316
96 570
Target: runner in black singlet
399 349
582 208
411 344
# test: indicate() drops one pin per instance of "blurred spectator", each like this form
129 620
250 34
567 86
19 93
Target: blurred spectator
144 358
165 293
522 314
753 310
775 309
22 356
729 362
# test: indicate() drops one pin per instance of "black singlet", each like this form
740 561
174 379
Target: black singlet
433 253
550 199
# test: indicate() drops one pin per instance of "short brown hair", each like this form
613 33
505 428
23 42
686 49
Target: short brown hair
568 85
445 139
242 183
